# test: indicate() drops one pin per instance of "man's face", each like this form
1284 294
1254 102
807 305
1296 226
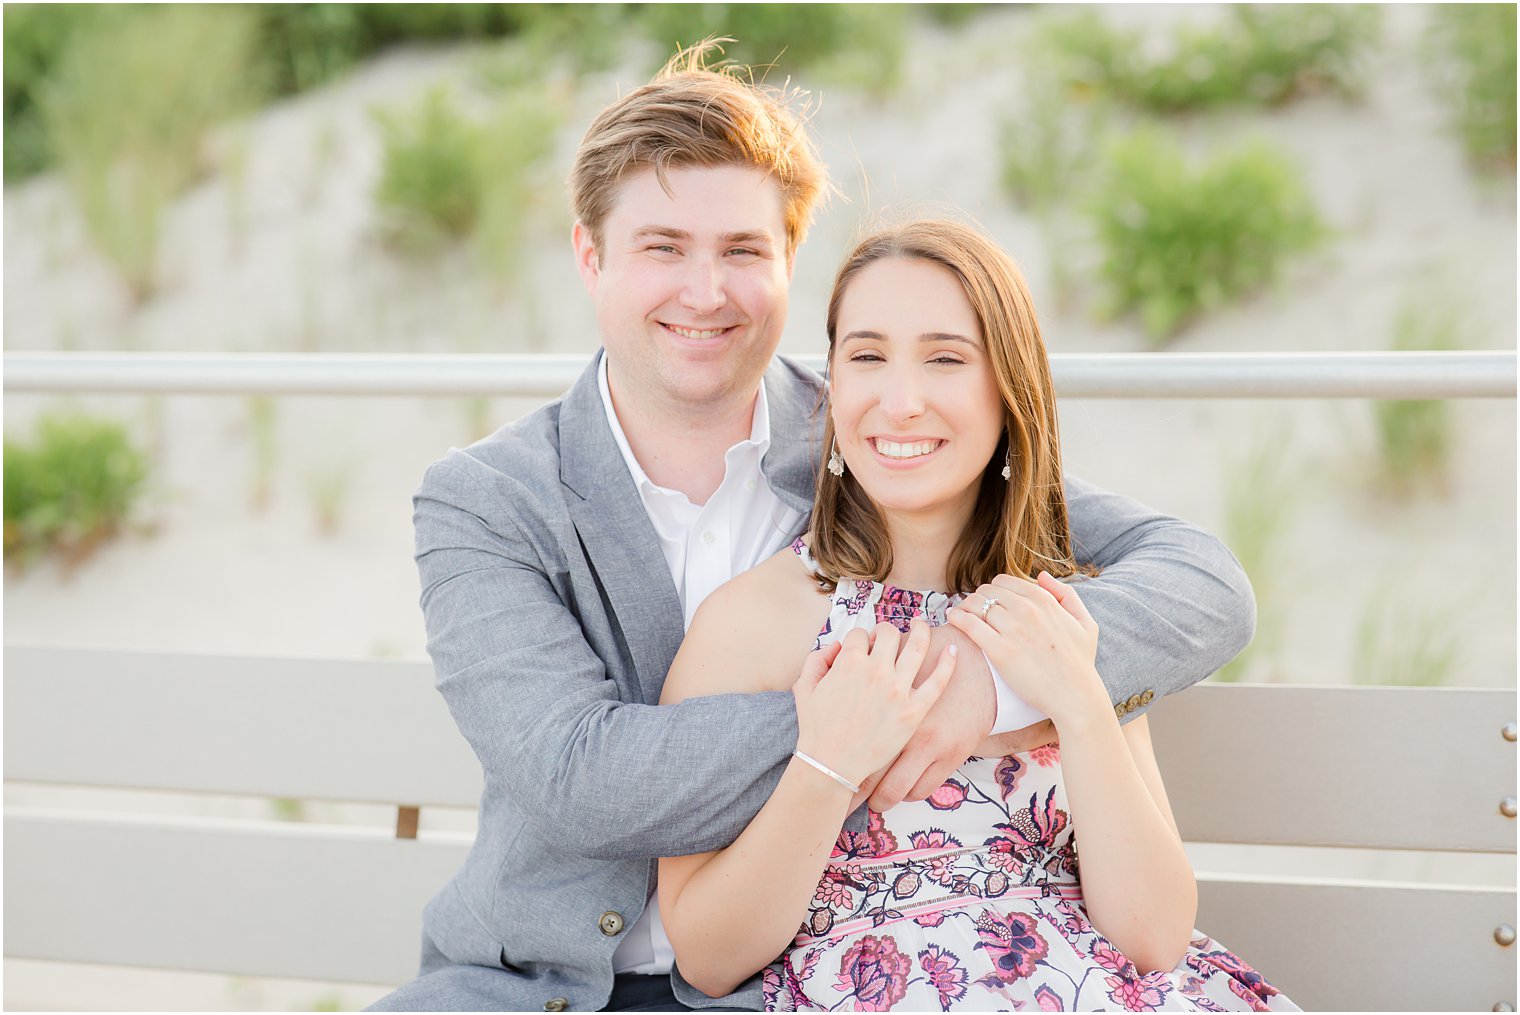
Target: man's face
690 287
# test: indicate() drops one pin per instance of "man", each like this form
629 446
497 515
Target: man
560 556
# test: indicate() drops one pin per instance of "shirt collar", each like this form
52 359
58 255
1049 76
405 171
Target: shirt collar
759 431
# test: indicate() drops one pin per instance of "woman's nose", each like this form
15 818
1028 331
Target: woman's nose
902 397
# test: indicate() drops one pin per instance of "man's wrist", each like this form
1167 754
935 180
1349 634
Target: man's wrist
1013 712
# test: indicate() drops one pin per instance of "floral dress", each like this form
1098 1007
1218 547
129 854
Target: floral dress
970 900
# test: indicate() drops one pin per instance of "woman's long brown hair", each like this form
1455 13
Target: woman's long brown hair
1019 526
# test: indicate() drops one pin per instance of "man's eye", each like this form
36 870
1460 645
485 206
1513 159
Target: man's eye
663 248
744 252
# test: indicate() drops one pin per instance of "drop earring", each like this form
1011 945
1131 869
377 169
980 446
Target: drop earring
1008 464
836 460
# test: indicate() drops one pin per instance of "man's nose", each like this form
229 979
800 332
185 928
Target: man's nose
703 290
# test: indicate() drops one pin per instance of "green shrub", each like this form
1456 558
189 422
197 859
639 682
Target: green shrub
1477 43
262 432
580 37
450 176
855 44
1405 646
1414 437
73 486
1260 500
1262 54
432 166
1046 148
36 37
127 111
309 44
299 46
1178 239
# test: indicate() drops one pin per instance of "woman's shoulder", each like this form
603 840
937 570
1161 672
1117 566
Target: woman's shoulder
779 586
753 632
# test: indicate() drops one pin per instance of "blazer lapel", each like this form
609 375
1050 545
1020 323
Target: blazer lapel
619 539
621 544
797 412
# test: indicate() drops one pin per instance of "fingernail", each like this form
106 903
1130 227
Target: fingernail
954 650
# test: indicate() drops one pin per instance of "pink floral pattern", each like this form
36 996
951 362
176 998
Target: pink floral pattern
946 974
971 900
874 973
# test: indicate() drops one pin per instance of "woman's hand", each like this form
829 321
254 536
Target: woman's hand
1042 641
856 703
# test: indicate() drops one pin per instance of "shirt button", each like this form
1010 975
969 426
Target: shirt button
708 537
556 1004
611 923
749 484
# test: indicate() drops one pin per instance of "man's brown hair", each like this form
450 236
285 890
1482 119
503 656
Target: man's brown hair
695 115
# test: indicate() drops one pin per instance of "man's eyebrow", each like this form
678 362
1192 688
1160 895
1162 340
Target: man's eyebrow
748 236
756 236
668 232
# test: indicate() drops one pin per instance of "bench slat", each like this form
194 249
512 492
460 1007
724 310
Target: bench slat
362 731
285 901
1349 946
1322 766
323 903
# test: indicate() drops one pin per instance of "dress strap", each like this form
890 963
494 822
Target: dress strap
800 548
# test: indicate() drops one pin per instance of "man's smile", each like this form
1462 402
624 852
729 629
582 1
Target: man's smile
698 334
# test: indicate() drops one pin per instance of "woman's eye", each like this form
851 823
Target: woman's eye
866 357
947 359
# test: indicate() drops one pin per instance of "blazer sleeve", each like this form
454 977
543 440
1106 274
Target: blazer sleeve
596 776
1172 603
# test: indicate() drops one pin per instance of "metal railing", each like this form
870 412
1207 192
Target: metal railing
1382 375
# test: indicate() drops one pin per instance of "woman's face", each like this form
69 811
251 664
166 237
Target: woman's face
914 401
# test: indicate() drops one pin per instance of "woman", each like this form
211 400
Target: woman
943 478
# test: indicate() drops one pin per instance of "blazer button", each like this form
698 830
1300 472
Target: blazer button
556 1004
1121 710
1133 703
611 924
1145 699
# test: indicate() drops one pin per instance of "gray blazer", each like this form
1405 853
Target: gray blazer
552 620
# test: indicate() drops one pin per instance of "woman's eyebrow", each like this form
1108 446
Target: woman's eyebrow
928 337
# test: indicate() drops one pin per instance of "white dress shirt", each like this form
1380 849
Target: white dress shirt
741 524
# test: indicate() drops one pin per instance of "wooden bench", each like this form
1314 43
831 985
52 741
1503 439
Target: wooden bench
1383 768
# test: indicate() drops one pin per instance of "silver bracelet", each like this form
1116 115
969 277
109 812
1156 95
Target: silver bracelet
826 770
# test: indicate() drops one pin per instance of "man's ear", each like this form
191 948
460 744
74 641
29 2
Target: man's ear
587 262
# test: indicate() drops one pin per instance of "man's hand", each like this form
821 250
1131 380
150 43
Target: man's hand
949 734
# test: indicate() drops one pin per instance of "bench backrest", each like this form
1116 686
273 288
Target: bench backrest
1416 769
